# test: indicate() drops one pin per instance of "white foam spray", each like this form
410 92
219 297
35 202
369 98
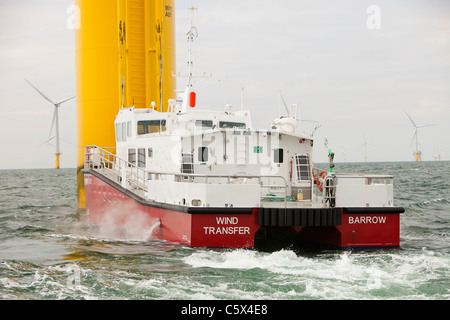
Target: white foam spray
127 223
149 234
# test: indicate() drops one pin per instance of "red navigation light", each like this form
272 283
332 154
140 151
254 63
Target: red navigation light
192 99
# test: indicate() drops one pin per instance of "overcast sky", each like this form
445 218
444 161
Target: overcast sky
345 65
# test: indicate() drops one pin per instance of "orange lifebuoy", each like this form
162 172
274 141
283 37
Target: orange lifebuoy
320 180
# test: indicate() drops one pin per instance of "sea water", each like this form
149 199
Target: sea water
49 251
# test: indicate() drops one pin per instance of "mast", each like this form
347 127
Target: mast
189 95
191 35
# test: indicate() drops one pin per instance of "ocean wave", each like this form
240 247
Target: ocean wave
345 276
439 203
31 229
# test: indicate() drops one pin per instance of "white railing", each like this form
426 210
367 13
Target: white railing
115 168
340 188
129 174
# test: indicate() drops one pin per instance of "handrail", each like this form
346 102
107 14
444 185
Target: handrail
328 184
99 159
329 190
110 163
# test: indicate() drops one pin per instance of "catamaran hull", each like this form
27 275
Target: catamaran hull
108 203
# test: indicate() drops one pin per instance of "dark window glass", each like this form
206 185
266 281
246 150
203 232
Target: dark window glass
278 155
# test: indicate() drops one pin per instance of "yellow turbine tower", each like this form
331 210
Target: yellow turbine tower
125 56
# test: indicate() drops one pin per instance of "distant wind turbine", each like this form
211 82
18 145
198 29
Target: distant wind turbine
365 148
418 153
55 121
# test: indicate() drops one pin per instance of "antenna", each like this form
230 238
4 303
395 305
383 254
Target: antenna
192 34
189 95
314 131
55 121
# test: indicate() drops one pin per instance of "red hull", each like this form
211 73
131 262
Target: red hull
359 230
108 203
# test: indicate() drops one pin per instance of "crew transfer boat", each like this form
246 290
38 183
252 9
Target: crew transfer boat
208 178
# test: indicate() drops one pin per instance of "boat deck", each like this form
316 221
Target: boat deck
293 204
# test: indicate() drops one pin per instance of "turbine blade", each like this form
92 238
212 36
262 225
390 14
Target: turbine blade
68 141
47 141
414 124
43 95
62 101
426 125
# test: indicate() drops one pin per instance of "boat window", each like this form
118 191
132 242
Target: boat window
118 132
132 156
204 124
151 126
203 154
150 152
278 155
302 166
129 129
141 157
229 124
124 131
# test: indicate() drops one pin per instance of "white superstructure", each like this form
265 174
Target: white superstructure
194 152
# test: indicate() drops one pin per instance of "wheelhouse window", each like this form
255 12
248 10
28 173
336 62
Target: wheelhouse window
203 124
124 131
118 132
231 125
129 129
150 126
